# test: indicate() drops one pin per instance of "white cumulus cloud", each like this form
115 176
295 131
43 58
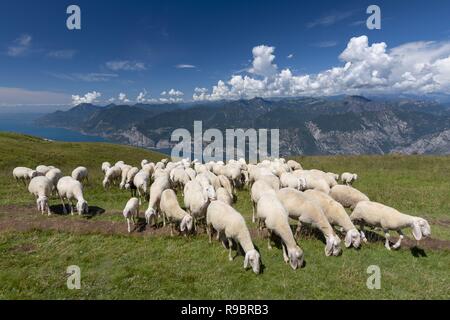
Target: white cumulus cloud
89 97
417 68
126 65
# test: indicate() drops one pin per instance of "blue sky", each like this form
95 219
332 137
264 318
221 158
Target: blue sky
151 47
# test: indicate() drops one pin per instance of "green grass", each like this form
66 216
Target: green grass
33 263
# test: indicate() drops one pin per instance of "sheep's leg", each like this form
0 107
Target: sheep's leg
298 230
71 207
230 245
164 219
129 225
171 228
209 232
387 236
48 209
253 208
363 236
218 236
269 246
399 242
285 254
63 204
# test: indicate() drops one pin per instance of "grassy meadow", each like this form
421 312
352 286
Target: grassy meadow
35 250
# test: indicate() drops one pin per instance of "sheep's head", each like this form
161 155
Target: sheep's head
355 177
333 246
420 228
186 223
295 257
82 207
32 174
210 192
252 258
352 238
149 214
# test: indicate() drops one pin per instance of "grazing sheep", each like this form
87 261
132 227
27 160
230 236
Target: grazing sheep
179 178
54 175
124 175
226 220
149 168
305 211
314 181
233 172
41 188
259 188
141 181
42 169
171 210
336 215
275 218
200 168
348 178
119 164
329 178
131 212
71 189
105 166
197 198
129 185
270 179
294 165
112 176
290 180
347 196
156 190
80 174
224 195
225 183
160 173
379 215
24 174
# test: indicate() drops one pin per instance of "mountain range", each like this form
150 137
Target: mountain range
308 125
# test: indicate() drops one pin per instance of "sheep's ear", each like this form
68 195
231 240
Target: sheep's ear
348 239
417 233
329 247
246 261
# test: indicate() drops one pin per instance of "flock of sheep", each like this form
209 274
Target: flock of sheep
280 190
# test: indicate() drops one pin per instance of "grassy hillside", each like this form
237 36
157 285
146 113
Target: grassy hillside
36 250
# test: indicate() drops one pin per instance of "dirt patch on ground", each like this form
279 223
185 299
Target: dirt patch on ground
26 218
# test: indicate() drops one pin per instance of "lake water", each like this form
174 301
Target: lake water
24 123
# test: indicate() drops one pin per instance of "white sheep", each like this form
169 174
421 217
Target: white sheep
270 179
129 185
314 181
223 195
131 212
54 175
197 198
276 220
81 174
191 173
294 165
347 196
259 188
225 183
290 180
156 190
379 215
105 166
124 175
226 220
119 164
171 210
43 169
141 182
348 178
233 172
71 189
305 211
112 176
24 174
179 178
336 215
41 188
